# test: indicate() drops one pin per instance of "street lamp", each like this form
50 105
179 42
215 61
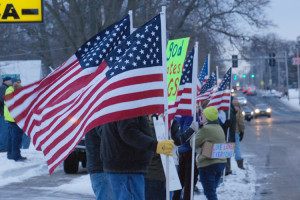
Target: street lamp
298 46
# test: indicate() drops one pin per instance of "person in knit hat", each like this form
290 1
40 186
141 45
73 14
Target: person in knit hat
239 133
210 170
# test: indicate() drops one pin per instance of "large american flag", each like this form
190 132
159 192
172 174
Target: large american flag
221 98
203 75
58 110
183 103
206 91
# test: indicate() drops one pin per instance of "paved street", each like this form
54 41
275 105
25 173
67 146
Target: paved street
273 144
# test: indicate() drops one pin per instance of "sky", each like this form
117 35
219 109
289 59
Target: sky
286 15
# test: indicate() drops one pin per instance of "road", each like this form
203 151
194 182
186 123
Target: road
272 145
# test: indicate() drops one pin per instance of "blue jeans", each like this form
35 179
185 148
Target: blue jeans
127 186
14 141
3 134
210 177
237 151
25 141
155 189
101 186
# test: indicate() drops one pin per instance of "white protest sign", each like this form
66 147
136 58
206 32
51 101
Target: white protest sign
173 175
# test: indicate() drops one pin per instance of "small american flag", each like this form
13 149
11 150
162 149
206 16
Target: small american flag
203 75
58 110
207 89
221 98
183 103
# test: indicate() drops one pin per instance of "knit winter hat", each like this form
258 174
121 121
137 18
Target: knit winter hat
7 78
211 113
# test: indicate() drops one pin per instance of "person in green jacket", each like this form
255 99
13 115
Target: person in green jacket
15 133
210 169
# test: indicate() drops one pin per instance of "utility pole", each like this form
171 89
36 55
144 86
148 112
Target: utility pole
287 75
298 75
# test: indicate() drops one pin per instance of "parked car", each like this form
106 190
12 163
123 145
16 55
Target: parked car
71 163
247 113
242 100
262 110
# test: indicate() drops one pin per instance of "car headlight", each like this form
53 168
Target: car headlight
245 101
256 110
269 110
243 113
251 113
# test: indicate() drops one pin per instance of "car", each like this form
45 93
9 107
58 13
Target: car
242 100
71 163
251 92
247 112
262 110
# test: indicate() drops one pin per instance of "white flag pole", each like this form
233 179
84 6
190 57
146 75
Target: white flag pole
194 89
164 61
131 21
217 75
208 64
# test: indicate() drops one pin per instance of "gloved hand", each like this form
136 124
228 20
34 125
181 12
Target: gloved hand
241 135
194 126
165 147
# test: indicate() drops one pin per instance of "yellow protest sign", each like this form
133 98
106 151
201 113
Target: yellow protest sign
176 53
21 11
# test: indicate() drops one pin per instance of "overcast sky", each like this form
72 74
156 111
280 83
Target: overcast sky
286 15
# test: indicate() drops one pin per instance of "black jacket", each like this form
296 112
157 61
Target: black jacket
127 146
92 144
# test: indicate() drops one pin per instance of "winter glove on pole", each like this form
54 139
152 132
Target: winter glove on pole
194 126
241 135
165 147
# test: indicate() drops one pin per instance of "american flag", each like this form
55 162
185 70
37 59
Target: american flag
221 98
207 89
183 103
203 75
58 110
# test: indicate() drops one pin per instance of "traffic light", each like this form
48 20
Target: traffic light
235 77
252 75
244 76
272 59
234 61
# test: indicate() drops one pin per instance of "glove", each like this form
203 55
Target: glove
241 135
165 147
194 126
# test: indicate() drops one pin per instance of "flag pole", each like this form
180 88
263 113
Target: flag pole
194 88
217 73
229 102
131 21
164 60
208 64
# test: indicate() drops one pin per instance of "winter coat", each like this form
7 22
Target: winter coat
185 122
240 123
92 145
210 132
127 146
7 115
2 93
156 170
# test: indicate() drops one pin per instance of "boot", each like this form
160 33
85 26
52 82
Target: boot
240 163
228 167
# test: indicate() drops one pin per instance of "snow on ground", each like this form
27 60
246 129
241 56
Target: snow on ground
11 171
293 101
239 185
